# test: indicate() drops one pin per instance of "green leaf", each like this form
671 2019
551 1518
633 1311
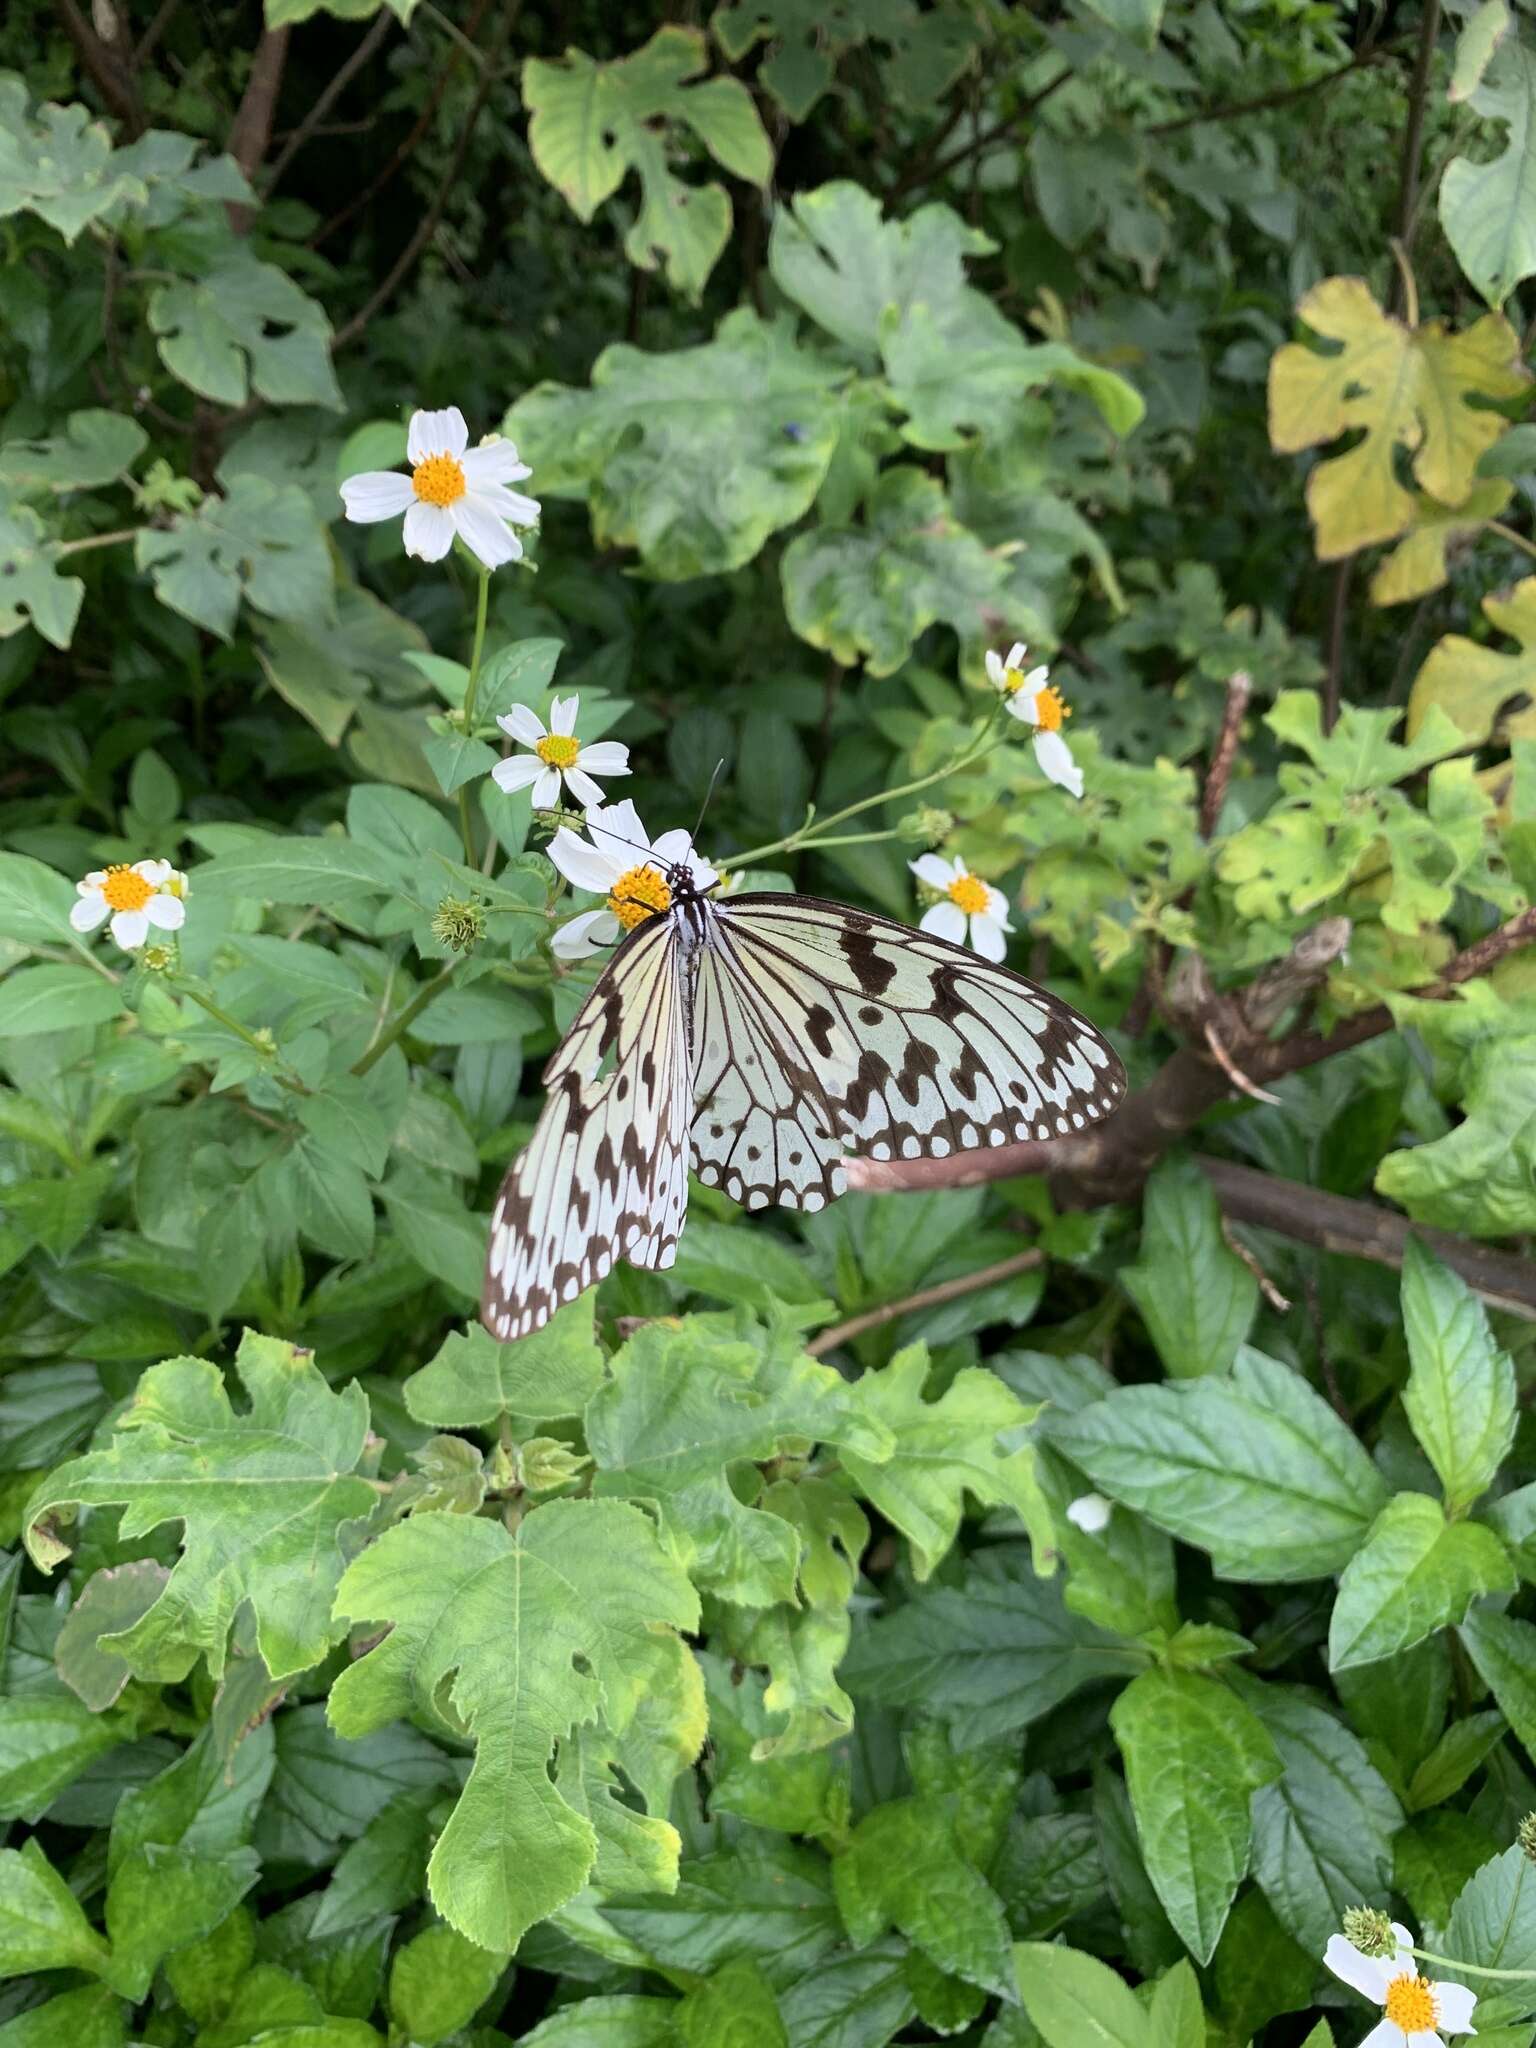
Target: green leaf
92 2017
46 1741
35 594
693 457
991 1653
1176 2015
1197 1296
622 2021
860 2000
1194 1756
904 1868
734 2009
110 1602
767 1899
264 1497
592 123
346 1121
244 326
1139 19
261 542
322 870
1078 2002
1322 1832
95 448
688 1408
1256 1468
35 901
867 592
1460 1396
55 998
1504 1651
528 1636
162 1899
41 1924
1414 1573
385 1869
1493 1924
1488 210
438 1982
1463 1746
332 1203
471 1379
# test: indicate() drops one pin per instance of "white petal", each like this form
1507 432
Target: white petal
1421 2037
1405 1959
604 757
130 928
93 880
1056 762
997 907
484 533
617 830
1090 1512
429 531
518 773
1455 2004
168 913
1037 678
1016 654
507 504
88 913
586 934
376 494
488 466
1364 1974
581 864
704 876
436 433
945 921
546 791
582 787
994 669
987 938
562 714
672 846
155 872
1386 2034
937 873
522 724
1021 707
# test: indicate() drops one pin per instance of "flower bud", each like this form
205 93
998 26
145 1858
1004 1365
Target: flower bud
926 826
458 924
1525 1836
1369 1931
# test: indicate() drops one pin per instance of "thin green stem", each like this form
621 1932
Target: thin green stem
1426 1955
1516 540
284 1076
471 691
97 540
402 1023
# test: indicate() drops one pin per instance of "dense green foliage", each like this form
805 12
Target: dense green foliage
720 1666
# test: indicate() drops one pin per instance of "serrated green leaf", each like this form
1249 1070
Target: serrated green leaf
110 1602
438 1982
161 1899
264 1496
1196 1294
734 2009
904 1868
1504 1650
46 1741
1463 1746
1460 1396
766 1898
472 1379
41 1924
1414 1573
1493 1924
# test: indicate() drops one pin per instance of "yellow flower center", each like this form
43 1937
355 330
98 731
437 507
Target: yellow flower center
1411 2004
125 890
439 480
968 894
558 750
1050 706
636 894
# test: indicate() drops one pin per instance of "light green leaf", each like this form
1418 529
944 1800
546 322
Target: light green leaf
95 448
1504 1651
1196 1294
438 1982
92 2017
523 1638
1176 2015
1460 1396
591 123
1078 2002
1414 1573
1476 40
1139 19
1463 1746
41 1924
734 2009
54 997
867 592
904 1868
962 1444
624 2020
322 870
1194 1756
1256 1468
59 164
264 1497
35 594
1488 210
1493 1924
689 1407
162 1899
858 2000
35 901
261 542
991 1653
471 1379
693 457
110 1602
240 326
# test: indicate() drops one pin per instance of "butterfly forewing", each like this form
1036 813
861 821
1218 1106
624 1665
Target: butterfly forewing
605 1175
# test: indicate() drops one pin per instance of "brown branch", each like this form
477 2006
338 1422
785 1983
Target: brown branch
1224 754
926 1297
1236 109
109 70
251 130
1413 135
164 15
978 145
382 25
1360 1230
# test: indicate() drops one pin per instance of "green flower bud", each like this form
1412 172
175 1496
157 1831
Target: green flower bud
926 826
1369 1931
158 959
458 924
545 1463
1525 1836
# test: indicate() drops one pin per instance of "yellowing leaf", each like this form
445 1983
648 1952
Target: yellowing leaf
1407 388
1471 682
1417 564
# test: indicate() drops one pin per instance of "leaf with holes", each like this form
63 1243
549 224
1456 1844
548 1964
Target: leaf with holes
1488 210
32 592
262 543
240 326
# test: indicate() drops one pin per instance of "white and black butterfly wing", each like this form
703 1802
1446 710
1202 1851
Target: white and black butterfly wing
892 1043
605 1175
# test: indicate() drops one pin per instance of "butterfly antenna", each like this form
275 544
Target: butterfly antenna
708 797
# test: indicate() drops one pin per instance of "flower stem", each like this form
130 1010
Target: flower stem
402 1022
1426 1955
97 540
281 1074
482 601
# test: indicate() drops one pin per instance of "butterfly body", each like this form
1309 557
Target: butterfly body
764 1039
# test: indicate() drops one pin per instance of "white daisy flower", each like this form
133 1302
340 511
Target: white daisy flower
1090 1512
619 860
557 757
968 902
150 892
452 489
1418 2011
1034 698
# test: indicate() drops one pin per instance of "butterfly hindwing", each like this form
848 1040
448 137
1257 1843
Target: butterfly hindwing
605 1175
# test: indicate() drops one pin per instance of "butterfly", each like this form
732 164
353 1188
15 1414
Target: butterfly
760 1039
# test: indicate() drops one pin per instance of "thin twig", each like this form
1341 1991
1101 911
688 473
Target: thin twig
1236 109
164 14
328 98
1231 1069
1214 795
979 144
1413 134
926 1297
